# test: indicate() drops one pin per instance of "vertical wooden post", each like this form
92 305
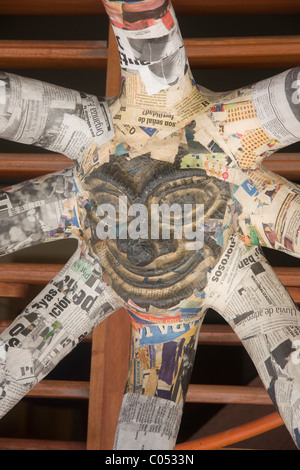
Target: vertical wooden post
110 342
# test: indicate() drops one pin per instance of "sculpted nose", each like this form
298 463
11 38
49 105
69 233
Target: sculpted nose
140 252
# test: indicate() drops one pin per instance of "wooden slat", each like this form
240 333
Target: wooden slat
95 7
116 353
22 165
294 293
53 54
227 394
18 165
68 389
209 334
248 52
218 335
51 7
234 7
28 273
13 290
7 443
288 276
284 164
96 403
4 324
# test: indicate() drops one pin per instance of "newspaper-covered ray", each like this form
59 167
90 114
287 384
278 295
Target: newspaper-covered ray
161 361
251 298
49 328
52 117
38 210
171 204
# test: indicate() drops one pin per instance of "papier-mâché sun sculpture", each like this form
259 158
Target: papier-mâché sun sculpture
170 205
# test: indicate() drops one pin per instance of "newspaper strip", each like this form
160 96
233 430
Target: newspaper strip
162 357
244 289
168 110
64 312
147 423
49 116
251 123
278 225
263 203
37 211
277 105
149 42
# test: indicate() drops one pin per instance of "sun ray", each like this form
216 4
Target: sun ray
253 301
39 210
52 325
55 118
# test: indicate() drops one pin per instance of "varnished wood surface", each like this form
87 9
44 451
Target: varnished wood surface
203 53
64 389
7 443
203 7
227 394
30 165
53 54
247 52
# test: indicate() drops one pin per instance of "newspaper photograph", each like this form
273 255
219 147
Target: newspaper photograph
171 206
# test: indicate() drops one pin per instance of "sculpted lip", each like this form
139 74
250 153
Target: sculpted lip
163 287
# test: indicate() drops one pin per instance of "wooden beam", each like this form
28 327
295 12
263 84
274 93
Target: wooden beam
51 7
96 403
29 273
68 389
14 290
294 293
212 53
247 52
288 276
53 54
228 394
7 443
23 165
111 339
31 165
284 164
188 7
235 7
218 335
